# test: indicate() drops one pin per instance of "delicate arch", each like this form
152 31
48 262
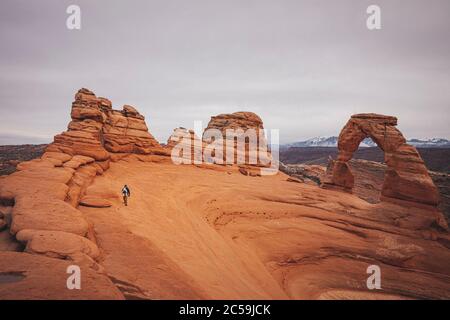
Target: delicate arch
406 176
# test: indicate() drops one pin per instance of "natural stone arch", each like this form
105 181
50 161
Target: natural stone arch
406 176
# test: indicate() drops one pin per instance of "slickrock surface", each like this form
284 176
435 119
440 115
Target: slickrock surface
31 276
369 177
230 236
199 231
406 176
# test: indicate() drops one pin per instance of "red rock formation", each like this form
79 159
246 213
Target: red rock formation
178 134
126 132
247 127
95 133
406 176
84 134
43 195
96 129
192 233
185 146
237 120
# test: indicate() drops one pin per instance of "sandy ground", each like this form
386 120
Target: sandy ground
195 233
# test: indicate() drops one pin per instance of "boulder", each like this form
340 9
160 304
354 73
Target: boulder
56 244
47 214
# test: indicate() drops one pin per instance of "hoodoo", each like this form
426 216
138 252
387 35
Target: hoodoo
96 129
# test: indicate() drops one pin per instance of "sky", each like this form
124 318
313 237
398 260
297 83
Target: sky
303 66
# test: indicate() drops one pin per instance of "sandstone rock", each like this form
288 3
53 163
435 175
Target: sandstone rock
27 276
95 202
126 132
103 164
238 120
406 177
340 175
81 179
100 170
381 129
188 146
130 111
83 159
45 183
56 244
56 163
243 171
221 235
296 180
248 128
250 171
267 229
3 224
96 129
70 144
47 214
35 164
72 164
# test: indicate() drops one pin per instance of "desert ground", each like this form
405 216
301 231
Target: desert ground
213 233
209 232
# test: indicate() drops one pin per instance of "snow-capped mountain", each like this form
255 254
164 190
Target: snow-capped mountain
434 142
332 142
316 142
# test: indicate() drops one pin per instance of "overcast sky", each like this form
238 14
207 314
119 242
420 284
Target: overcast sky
304 66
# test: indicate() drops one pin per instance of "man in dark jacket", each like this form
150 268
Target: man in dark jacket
126 193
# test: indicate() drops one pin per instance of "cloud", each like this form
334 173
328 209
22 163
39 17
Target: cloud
304 66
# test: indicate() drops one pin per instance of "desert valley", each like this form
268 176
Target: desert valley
209 231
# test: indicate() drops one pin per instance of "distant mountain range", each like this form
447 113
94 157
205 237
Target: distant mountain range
332 142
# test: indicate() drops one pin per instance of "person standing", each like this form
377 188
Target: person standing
126 193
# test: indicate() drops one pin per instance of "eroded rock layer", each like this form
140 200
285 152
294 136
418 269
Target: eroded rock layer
185 146
406 177
39 202
243 137
97 129
192 233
